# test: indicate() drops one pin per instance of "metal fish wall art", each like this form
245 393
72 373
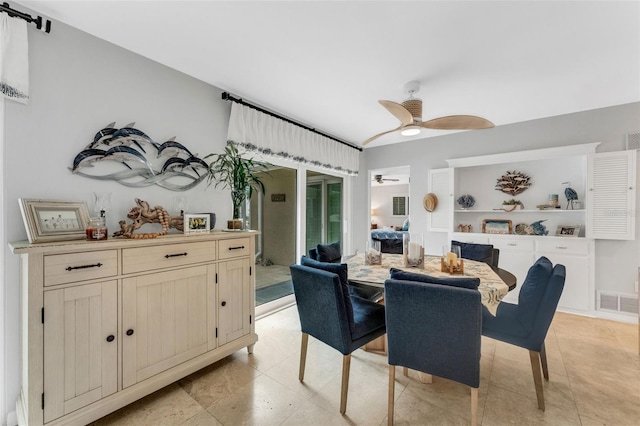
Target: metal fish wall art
126 146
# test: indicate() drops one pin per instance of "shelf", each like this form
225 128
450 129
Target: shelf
522 211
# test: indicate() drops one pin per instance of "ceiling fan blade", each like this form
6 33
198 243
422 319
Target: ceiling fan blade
458 122
381 134
399 111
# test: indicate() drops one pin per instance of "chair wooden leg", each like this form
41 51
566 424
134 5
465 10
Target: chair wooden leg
537 377
392 388
346 364
303 355
474 406
543 358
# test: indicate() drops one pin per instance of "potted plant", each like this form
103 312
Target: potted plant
511 205
230 170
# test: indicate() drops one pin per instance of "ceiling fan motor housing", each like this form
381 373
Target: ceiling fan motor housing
414 106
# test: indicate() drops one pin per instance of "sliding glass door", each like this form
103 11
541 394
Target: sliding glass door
324 210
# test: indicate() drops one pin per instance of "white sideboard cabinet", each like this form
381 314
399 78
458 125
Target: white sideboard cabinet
604 182
105 323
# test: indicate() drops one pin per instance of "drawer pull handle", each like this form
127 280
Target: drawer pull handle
561 247
512 244
111 338
71 268
175 255
129 332
224 303
236 248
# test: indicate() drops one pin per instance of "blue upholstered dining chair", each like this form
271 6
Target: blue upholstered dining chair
526 324
330 253
478 252
330 314
326 252
434 326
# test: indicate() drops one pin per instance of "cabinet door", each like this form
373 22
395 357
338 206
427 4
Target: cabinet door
167 318
234 300
516 256
611 201
574 254
441 184
80 346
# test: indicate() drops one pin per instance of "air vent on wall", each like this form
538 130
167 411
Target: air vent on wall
618 302
633 140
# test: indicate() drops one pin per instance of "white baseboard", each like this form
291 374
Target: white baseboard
613 316
12 419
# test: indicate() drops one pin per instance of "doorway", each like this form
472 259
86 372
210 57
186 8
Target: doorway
390 190
274 215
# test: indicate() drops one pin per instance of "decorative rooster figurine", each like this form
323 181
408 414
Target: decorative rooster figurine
571 195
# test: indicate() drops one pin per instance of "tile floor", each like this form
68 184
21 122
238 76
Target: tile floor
594 372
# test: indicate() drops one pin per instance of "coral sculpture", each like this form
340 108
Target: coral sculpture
513 183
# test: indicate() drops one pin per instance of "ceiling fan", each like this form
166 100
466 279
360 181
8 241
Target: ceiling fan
378 178
409 113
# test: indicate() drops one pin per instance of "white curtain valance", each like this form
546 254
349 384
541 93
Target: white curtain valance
14 59
256 131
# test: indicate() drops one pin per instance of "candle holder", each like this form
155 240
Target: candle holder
412 251
451 267
373 254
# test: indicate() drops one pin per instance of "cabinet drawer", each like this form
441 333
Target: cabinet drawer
166 256
513 244
237 247
564 245
74 267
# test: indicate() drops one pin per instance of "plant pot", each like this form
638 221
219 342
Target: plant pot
235 224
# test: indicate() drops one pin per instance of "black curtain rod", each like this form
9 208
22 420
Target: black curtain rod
4 7
227 97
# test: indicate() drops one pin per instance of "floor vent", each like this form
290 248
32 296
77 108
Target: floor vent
618 302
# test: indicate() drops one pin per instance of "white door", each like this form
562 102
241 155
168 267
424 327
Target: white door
611 198
80 346
441 184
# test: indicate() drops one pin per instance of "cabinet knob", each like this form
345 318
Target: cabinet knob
224 303
111 338
129 332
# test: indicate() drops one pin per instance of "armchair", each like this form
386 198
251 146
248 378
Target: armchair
526 324
330 314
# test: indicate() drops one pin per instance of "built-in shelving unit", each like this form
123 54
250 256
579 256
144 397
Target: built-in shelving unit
605 187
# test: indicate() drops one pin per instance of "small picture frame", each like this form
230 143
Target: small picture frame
51 220
496 226
568 231
196 223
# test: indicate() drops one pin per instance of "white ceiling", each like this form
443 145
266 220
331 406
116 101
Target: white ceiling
327 63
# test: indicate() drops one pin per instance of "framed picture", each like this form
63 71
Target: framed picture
49 220
568 231
196 223
496 226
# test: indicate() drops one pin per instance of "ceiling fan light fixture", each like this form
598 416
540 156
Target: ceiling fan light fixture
410 131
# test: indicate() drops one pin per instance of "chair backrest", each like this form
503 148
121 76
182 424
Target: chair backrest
323 306
495 258
434 328
328 252
477 252
313 253
548 305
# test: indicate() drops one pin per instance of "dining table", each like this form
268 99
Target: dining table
492 288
